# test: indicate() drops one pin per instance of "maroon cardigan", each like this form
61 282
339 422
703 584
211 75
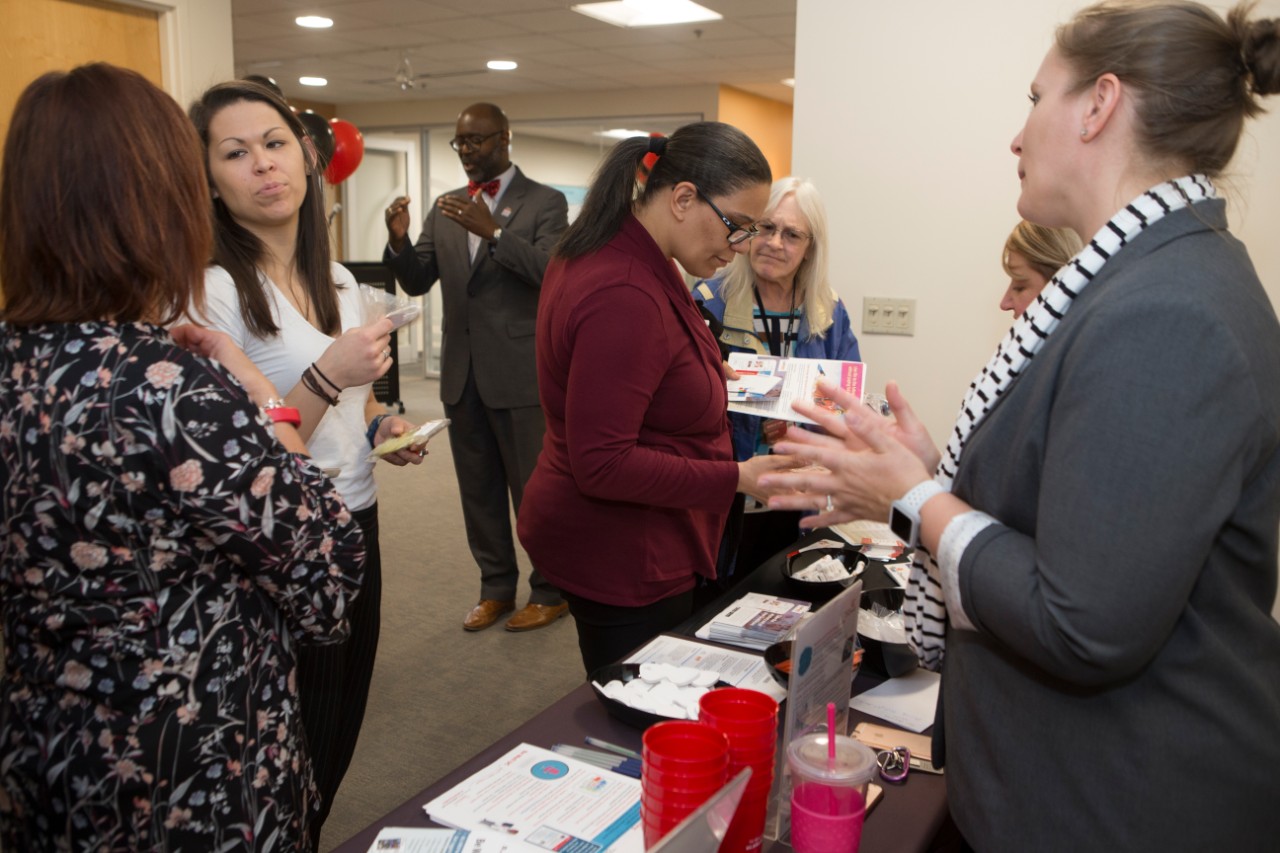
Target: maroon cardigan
630 495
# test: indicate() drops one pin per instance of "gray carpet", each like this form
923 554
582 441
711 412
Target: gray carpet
440 694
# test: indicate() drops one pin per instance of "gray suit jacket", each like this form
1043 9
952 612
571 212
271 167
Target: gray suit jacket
490 306
1125 645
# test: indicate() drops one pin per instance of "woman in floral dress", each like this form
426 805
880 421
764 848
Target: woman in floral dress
166 543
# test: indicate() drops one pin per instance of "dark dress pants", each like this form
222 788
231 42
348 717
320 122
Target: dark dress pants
607 632
494 453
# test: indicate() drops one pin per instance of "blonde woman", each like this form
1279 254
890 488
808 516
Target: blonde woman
1032 254
775 299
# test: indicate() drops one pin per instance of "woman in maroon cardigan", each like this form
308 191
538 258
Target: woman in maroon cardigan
630 495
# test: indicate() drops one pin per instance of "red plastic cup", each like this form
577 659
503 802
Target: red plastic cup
672 781
683 746
754 756
739 712
683 764
746 832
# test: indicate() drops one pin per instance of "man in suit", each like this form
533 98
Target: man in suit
488 245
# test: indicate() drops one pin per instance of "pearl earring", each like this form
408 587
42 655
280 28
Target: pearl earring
1084 131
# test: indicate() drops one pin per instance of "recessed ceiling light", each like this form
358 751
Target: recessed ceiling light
621 133
647 13
502 65
789 81
313 81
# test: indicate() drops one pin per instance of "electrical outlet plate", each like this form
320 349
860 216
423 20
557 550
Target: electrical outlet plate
885 316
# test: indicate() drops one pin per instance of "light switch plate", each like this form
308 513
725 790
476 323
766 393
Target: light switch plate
882 315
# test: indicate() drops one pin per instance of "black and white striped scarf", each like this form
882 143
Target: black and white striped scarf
925 609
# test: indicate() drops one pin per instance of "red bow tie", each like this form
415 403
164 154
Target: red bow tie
490 187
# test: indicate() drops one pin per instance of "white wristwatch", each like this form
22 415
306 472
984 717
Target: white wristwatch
904 515
497 232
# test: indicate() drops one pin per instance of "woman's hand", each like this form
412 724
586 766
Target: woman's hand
750 472
392 426
359 355
218 346
908 429
868 463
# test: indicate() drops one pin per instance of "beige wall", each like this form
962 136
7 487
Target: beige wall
195 44
904 114
765 120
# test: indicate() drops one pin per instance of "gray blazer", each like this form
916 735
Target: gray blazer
1123 689
490 306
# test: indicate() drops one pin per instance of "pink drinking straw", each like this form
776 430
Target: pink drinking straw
831 735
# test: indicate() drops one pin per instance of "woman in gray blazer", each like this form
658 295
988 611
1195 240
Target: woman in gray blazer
1097 545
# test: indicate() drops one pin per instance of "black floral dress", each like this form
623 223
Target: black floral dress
161 556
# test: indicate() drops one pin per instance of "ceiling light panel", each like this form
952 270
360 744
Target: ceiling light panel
647 13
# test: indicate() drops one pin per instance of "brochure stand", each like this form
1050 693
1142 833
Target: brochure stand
821 672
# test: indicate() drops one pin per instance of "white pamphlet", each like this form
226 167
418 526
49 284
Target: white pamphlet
547 800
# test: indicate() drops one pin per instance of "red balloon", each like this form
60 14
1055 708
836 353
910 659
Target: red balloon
348 151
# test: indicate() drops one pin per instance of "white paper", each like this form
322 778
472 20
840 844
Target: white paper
865 532
909 701
396 839
741 669
547 800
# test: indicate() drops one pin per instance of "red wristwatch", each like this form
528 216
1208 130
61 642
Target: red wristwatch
275 409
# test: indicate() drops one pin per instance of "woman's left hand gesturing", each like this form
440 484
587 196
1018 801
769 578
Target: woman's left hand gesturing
868 467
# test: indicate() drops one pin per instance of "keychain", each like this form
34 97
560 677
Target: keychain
894 764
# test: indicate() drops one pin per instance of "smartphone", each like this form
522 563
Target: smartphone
411 439
883 737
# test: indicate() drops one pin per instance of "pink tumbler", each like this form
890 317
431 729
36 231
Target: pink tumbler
828 796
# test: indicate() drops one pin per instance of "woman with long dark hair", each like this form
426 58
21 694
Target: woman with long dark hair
629 498
301 319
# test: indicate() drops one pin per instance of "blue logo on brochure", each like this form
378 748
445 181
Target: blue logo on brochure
549 770
806 658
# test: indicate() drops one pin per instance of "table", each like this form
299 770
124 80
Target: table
908 817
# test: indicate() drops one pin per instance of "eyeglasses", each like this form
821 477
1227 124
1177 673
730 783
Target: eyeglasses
473 141
790 236
737 233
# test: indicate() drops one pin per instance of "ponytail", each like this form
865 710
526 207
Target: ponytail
717 157
608 201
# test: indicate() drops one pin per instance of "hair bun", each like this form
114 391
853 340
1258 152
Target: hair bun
1259 49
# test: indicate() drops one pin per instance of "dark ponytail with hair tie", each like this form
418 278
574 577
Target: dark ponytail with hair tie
717 157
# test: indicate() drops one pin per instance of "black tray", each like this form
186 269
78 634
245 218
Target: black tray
625 672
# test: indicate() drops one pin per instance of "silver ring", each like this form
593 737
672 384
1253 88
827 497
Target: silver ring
386 353
830 506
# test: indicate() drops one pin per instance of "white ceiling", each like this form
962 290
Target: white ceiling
559 50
